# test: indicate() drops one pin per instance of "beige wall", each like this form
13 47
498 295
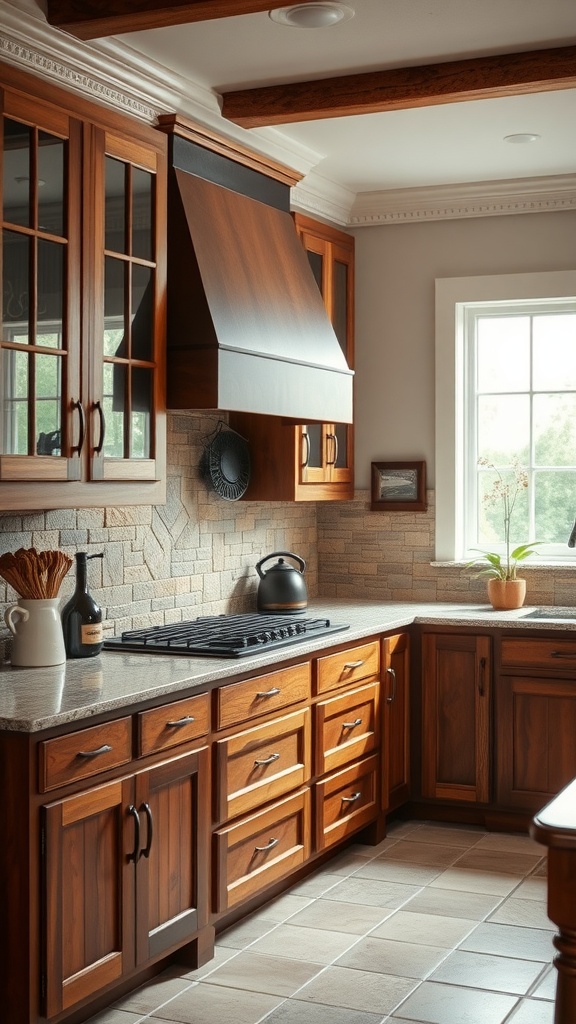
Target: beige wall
396 269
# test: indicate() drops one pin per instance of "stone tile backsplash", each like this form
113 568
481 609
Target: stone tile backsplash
196 554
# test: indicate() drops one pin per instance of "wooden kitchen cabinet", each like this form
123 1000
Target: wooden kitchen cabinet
125 876
535 721
314 461
395 701
82 335
456 693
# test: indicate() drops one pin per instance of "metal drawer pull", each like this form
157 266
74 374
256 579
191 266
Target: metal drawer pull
187 720
269 846
148 812
104 749
351 799
269 693
392 698
564 654
266 760
135 852
353 664
352 725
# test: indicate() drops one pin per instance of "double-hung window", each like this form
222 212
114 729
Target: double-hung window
506 410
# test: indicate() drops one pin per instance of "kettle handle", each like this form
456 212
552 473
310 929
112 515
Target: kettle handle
296 558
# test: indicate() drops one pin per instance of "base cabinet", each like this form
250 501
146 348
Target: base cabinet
125 876
396 721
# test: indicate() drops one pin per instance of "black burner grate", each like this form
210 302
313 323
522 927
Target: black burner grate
223 636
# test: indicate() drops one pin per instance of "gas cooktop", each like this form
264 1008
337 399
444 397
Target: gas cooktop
224 636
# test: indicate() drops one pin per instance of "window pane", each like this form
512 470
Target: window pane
555 506
115 206
503 353
142 312
555 352
114 340
15 282
48 405
16 174
141 413
491 490
51 153
114 407
14 411
142 240
555 430
504 428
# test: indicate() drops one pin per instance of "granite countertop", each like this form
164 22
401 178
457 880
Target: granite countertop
32 699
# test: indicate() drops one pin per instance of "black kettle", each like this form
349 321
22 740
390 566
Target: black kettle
282 588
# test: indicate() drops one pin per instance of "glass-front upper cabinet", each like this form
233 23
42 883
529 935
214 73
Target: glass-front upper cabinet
128 334
41 415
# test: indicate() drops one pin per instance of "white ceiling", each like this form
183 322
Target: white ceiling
428 146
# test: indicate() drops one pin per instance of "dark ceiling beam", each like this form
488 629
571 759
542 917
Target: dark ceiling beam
479 78
93 19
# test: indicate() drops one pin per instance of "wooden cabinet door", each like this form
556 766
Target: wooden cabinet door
172 801
396 710
535 730
90 845
456 717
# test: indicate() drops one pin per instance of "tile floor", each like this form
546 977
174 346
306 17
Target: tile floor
437 924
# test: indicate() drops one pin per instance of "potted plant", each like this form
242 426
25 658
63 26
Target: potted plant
505 588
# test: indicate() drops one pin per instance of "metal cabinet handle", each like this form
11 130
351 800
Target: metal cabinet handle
392 698
351 799
481 677
269 693
570 655
104 749
150 820
82 432
269 846
266 760
98 408
353 664
306 439
352 725
334 439
135 852
187 720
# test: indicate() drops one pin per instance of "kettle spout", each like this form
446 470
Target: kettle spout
572 537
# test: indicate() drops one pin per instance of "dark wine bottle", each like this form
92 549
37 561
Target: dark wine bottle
81 616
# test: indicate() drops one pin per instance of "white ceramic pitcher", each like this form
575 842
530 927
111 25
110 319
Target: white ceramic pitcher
36 626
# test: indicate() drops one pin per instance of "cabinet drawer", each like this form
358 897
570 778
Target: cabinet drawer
240 702
172 724
261 764
260 849
558 655
346 727
348 666
84 753
345 802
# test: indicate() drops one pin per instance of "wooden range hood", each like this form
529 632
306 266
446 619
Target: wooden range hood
247 327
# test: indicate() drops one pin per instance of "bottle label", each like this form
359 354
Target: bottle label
92 633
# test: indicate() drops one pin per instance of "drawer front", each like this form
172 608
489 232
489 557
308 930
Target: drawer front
261 764
558 655
345 802
347 667
260 849
347 728
240 702
174 723
79 755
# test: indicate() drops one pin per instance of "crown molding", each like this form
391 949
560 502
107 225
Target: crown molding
475 199
320 197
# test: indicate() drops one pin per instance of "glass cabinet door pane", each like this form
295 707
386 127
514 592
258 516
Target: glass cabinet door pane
15 286
114 404
48 404
340 303
14 409
141 413
51 164
50 303
316 261
115 206
341 432
114 300
16 173
142 312
142 237
314 433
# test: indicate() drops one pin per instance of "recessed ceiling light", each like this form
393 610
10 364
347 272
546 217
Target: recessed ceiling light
521 137
312 15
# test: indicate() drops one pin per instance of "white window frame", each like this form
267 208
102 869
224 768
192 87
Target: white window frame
452 295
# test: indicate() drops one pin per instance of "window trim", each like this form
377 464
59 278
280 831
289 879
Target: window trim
451 294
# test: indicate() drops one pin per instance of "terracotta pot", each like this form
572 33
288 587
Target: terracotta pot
506 594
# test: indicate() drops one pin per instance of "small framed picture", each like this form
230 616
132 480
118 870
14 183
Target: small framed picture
398 486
